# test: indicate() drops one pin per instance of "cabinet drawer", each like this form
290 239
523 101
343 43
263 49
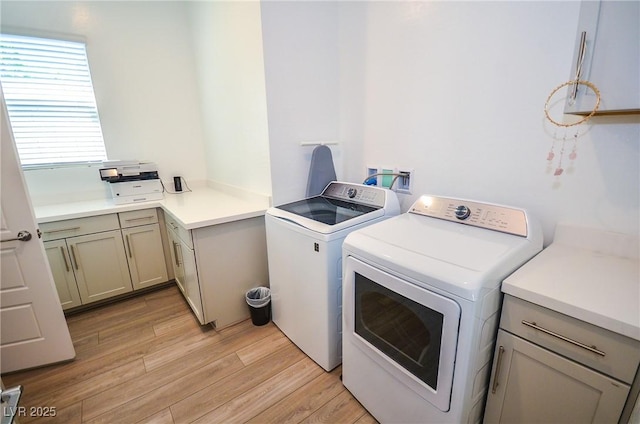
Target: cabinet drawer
79 226
137 218
181 232
617 356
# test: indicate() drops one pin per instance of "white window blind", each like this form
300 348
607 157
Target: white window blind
50 100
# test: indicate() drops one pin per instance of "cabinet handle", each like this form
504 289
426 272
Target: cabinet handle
64 258
579 63
496 375
139 219
129 246
180 250
566 339
175 253
61 230
74 259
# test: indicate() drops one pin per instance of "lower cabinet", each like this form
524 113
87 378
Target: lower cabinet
97 263
214 266
145 255
60 263
549 367
100 265
186 274
537 385
96 258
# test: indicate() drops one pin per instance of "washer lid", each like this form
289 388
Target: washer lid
340 206
325 216
460 259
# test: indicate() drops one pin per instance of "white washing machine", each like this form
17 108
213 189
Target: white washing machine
421 303
304 245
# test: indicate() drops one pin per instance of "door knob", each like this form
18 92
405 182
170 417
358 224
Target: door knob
22 236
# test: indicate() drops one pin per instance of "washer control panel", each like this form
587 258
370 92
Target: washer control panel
484 215
357 193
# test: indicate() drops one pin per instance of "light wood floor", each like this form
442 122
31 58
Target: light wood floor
146 359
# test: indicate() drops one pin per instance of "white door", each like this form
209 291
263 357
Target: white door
33 330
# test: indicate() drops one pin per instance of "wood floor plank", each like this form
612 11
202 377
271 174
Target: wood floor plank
130 313
263 395
262 348
120 336
204 401
162 417
366 419
87 342
77 371
156 400
209 344
120 394
341 409
104 316
66 395
303 402
141 320
179 322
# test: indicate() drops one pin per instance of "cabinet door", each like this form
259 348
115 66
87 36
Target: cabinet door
612 31
60 265
534 385
178 269
100 265
187 259
145 255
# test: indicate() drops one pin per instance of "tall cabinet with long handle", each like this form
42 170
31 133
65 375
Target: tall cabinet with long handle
606 54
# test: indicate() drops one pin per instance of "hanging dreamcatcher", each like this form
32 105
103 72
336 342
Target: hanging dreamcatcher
569 132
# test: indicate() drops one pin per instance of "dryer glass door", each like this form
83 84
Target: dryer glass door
408 330
403 329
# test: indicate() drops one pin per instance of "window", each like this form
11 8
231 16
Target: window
49 96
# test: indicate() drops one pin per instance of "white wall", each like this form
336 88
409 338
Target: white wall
230 66
454 90
302 71
143 71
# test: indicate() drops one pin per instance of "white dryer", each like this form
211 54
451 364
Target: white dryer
304 245
421 303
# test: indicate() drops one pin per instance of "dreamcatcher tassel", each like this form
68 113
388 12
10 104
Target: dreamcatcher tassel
559 170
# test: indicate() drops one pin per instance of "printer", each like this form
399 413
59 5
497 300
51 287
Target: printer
132 181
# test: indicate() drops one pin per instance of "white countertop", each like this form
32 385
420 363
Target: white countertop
201 207
588 275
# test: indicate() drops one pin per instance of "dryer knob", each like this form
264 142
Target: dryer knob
462 212
352 193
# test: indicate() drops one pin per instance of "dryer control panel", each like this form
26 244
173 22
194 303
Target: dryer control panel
484 215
